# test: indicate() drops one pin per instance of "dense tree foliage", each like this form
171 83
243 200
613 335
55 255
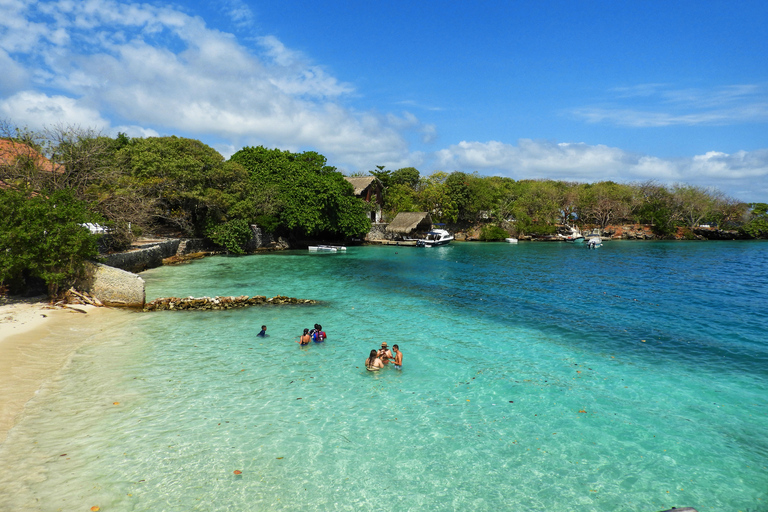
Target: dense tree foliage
757 225
42 236
310 198
538 206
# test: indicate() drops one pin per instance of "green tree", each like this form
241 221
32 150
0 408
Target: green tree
604 202
757 225
491 232
310 197
433 197
693 203
408 176
399 198
653 204
189 181
538 201
42 236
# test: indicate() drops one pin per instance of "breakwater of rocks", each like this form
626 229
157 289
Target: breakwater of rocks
217 303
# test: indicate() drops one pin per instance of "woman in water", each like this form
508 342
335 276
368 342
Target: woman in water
373 363
305 338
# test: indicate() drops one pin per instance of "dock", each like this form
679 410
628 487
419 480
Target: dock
401 243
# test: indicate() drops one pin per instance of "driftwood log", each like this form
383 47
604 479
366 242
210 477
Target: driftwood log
217 303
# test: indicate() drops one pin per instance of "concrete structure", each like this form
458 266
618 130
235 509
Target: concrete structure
112 286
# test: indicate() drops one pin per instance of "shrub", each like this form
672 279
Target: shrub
492 232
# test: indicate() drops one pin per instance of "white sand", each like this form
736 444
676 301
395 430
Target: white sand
36 341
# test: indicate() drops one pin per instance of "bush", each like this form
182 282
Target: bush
233 235
492 233
542 229
42 237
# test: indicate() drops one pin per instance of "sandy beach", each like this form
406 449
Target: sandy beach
36 341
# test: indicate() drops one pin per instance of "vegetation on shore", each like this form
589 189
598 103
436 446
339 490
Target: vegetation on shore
52 182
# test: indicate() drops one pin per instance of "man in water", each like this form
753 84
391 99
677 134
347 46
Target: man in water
263 332
384 354
398 362
319 335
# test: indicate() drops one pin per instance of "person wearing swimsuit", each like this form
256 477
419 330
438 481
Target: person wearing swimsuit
385 354
305 338
398 362
373 363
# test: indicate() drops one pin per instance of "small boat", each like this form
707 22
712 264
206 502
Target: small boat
575 239
327 248
511 240
434 238
594 242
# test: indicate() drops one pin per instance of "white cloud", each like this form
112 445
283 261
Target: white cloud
157 69
36 110
239 12
135 131
744 173
656 105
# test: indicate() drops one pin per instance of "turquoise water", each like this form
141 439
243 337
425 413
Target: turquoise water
536 377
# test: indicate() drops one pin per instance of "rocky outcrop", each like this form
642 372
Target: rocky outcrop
112 286
630 232
218 303
718 234
379 232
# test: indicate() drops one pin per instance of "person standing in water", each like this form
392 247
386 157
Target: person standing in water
385 354
398 362
263 332
373 363
319 335
305 338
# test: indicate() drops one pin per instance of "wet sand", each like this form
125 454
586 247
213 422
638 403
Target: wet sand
36 341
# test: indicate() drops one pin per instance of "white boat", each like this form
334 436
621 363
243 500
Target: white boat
594 242
511 240
434 238
327 248
575 239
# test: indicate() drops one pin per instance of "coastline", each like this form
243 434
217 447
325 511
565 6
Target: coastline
36 341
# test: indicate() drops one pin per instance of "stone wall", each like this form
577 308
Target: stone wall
379 232
112 286
149 256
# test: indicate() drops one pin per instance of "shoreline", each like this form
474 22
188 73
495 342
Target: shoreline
36 342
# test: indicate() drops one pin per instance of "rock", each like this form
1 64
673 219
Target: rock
219 303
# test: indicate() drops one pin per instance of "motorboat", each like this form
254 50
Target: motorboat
594 242
327 248
511 240
575 239
434 238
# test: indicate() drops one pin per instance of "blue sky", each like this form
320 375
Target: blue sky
675 92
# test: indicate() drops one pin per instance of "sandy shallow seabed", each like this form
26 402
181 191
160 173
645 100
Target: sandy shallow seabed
36 341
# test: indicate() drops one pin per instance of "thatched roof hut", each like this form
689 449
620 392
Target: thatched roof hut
366 187
407 222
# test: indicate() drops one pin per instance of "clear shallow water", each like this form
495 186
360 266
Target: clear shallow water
536 377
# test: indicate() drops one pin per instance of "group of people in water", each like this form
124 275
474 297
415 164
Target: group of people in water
379 359
317 335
